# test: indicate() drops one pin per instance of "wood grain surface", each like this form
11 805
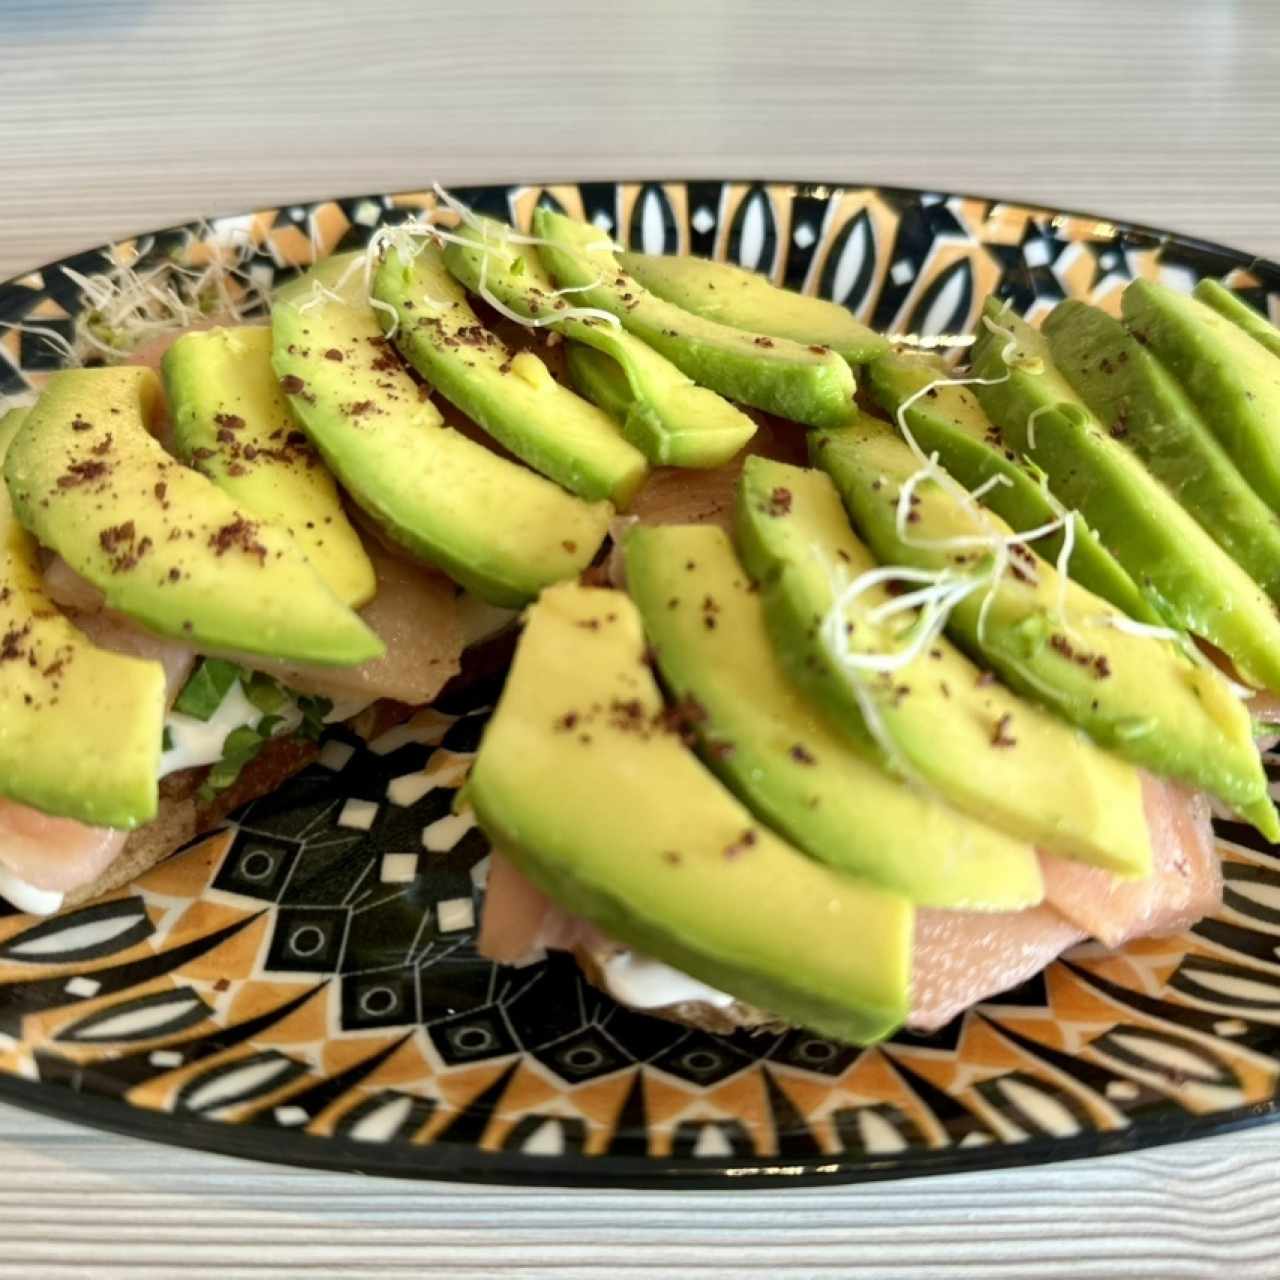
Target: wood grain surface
117 117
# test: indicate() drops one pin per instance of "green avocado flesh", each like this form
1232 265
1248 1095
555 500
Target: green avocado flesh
163 543
664 413
776 751
606 811
1143 406
513 397
949 420
939 719
1239 312
742 299
1196 585
1053 641
80 727
498 529
813 386
1233 380
233 424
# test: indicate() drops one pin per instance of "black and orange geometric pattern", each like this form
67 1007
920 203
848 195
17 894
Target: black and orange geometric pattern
303 985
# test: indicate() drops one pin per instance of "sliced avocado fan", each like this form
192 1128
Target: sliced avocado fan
163 543
1228 305
947 419
1054 642
810 385
233 424
1195 584
664 413
1232 379
936 719
742 299
776 750
512 396
493 526
583 783
1142 406
80 727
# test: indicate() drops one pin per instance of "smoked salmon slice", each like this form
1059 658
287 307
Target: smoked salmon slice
1185 884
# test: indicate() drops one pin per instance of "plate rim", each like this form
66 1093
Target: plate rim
1161 234
449 1162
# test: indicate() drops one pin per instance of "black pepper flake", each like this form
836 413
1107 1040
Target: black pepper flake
1000 735
79 473
121 543
780 502
239 534
11 643
682 718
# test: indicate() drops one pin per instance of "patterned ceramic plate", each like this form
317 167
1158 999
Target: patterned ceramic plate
302 986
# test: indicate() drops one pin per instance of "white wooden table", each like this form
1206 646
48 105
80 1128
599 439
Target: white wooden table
116 117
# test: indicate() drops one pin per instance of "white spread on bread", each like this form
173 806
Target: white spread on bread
644 983
200 742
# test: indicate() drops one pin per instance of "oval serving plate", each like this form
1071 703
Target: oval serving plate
302 986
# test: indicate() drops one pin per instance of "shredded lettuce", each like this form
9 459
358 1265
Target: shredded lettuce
203 694
314 711
207 686
242 747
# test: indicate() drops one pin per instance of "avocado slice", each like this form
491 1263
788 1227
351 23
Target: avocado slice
938 721
775 749
949 420
81 726
1141 405
603 808
1051 640
1240 313
806 384
665 414
1233 380
513 397
498 529
233 424
742 299
1193 582
164 544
